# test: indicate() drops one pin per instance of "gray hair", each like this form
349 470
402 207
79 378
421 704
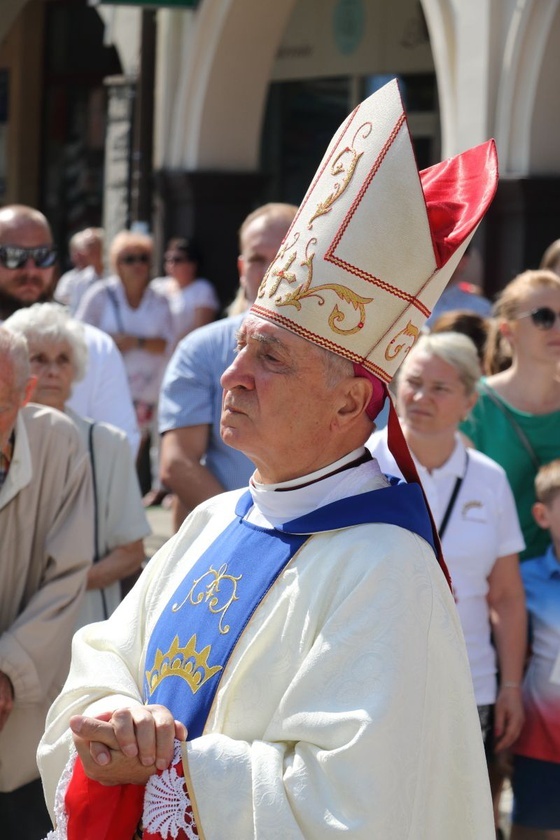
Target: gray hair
13 348
49 323
336 367
454 348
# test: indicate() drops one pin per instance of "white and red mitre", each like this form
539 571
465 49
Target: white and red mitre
375 242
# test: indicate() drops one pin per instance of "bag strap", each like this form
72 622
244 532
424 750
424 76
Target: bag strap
96 556
453 498
116 306
524 440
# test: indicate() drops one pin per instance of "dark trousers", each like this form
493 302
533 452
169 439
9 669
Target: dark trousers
23 813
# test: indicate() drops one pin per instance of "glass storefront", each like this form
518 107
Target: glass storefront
302 116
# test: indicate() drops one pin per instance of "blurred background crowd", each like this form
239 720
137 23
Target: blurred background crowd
133 356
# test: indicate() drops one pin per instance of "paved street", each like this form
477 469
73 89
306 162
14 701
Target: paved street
160 523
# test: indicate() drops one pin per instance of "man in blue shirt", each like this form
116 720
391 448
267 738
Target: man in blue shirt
195 463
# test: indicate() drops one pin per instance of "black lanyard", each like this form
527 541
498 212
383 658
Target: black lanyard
453 498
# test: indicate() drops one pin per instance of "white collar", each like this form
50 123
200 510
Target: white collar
305 494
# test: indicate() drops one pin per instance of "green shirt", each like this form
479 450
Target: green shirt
491 431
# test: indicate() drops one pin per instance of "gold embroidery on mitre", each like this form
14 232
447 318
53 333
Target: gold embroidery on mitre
282 274
393 349
345 294
341 166
218 602
184 662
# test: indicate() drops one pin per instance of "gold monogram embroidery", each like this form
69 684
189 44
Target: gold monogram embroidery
184 662
344 164
393 349
210 593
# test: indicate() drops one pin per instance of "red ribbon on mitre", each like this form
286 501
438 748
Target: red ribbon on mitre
458 192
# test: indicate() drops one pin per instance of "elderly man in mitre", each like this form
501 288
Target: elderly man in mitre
290 664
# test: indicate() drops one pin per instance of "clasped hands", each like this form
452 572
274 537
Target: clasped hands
128 745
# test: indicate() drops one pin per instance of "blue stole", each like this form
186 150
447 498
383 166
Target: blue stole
202 622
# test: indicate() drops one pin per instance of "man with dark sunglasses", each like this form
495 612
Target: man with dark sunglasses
27 276
27 257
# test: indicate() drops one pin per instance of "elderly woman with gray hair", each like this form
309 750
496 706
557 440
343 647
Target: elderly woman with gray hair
474 510
58 358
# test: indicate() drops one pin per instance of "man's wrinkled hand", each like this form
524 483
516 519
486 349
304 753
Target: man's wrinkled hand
128 745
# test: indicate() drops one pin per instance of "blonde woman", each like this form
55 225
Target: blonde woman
516 420
139 319
473 508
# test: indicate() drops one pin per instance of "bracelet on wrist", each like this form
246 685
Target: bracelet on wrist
508 684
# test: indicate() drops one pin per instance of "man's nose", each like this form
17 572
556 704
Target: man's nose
237 375
29 265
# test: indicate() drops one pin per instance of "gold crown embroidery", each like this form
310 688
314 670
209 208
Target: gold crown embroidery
210 594
184 662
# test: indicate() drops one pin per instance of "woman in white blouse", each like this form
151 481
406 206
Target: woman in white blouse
139 320
473 508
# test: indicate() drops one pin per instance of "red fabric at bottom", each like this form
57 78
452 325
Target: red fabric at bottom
101 812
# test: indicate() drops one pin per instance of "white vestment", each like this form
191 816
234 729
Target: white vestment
346 707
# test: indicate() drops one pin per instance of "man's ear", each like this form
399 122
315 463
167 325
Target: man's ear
29 390
357 393
541 515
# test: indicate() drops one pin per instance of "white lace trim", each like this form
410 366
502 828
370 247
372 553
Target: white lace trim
166 802
61 817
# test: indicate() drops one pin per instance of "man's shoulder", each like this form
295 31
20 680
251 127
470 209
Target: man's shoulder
47 427
211 345
467 294
212 334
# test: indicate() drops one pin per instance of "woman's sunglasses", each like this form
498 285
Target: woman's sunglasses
11 256
171 258
130 259
543 318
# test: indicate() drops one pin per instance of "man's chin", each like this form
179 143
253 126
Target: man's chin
230 436
10 303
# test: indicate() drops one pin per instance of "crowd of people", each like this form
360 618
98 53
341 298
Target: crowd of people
118 387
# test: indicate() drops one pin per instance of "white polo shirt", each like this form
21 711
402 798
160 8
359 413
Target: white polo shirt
483 526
